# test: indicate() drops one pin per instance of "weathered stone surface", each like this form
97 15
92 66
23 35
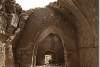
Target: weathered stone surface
88 31
82 25
89 57
2 54
90 11
74 21
9 19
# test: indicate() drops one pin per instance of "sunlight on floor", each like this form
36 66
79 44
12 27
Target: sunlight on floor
28 4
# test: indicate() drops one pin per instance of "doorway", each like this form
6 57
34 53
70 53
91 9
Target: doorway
50 52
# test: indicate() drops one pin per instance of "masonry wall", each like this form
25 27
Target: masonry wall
77 19
89 9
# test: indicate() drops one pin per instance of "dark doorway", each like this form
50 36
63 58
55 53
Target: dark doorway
50 51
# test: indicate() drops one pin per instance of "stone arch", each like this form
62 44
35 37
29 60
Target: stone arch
82 24
57 31
50 45
39 35
46 32
86 35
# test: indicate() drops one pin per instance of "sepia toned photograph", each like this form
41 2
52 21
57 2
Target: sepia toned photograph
49 33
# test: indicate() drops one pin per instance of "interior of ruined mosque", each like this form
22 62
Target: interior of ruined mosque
63 33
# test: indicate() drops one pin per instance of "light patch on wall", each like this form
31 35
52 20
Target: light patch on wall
28 4
47 59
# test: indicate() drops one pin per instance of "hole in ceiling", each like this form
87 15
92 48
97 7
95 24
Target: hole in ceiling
31 4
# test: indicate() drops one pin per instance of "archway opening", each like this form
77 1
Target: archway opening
50 51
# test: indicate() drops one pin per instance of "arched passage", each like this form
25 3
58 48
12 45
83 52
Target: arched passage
50 42
50 46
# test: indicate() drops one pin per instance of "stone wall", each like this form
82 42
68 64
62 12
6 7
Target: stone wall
77 19
10 14
88 47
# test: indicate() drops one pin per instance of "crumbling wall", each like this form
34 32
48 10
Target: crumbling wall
10 14
82 14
